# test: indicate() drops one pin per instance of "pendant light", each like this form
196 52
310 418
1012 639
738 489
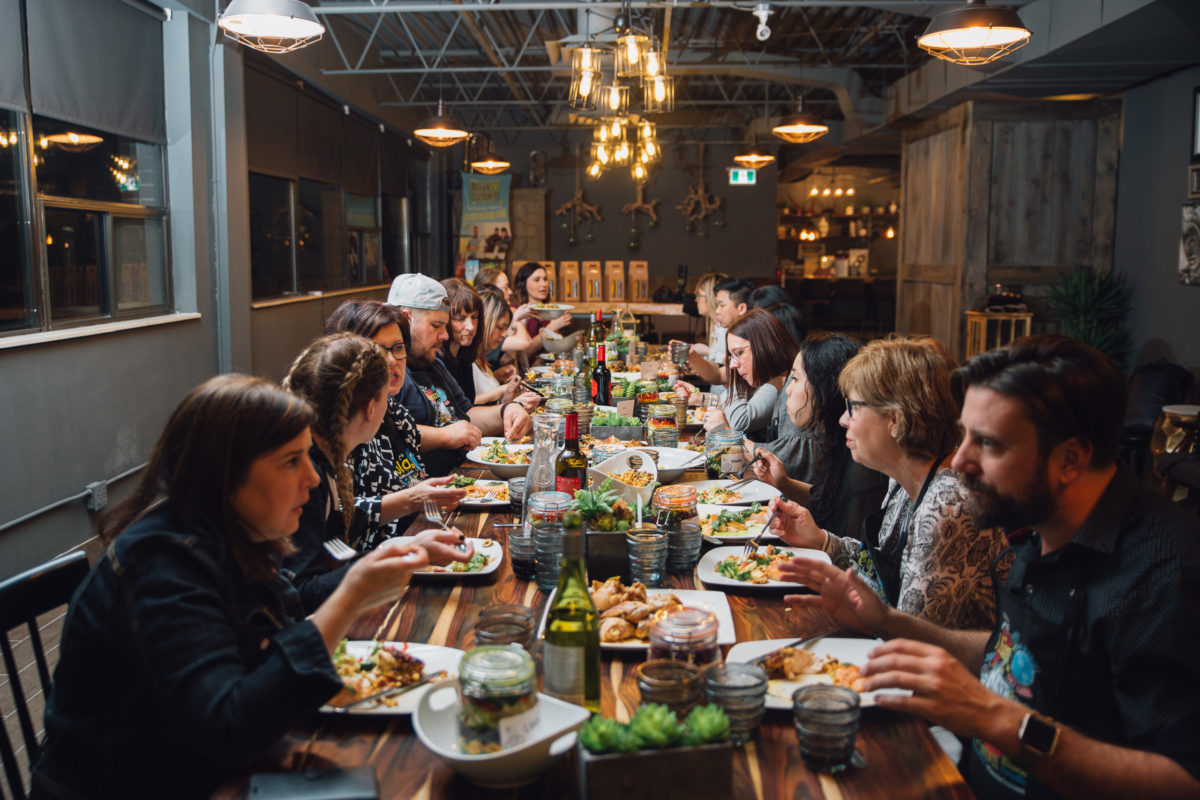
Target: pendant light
800 127
441 130
490 164
753 157
974 34
271 26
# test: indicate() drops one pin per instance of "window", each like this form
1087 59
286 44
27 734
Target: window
319 236
16 288
272 271
362 241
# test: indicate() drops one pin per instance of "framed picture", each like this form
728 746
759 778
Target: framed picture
1189 245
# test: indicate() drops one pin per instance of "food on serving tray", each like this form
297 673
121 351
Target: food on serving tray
496 491
758 568
718 494
633 477
627 611
498 453
695 447
385 667
732 523
793 663
610 419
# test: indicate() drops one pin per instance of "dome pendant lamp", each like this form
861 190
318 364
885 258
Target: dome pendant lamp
974 34
271 26
801 127
441 130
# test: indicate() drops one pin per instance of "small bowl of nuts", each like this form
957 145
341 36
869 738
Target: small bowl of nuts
634 475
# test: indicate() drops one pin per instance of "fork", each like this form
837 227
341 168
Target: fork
434 514
339 550
752 546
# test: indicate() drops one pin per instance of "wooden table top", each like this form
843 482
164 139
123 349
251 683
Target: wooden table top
903 759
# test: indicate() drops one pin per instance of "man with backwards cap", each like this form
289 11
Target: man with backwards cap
449 423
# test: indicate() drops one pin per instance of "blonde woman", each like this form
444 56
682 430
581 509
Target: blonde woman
706 305
495 327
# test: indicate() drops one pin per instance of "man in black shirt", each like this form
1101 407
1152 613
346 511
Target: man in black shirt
1087 684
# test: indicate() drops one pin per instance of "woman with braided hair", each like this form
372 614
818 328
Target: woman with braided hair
345 378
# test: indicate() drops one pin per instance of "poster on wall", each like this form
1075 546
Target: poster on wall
484 236
1189 245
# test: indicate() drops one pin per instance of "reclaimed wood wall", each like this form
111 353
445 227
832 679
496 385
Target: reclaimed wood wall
1011 193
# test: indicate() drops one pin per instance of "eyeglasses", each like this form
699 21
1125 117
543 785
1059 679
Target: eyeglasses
740 354
397 351
852 404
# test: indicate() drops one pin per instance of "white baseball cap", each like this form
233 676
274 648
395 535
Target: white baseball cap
415 290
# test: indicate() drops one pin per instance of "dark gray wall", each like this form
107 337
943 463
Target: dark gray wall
1151 187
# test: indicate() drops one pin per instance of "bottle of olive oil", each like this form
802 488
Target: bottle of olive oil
572 642
570 468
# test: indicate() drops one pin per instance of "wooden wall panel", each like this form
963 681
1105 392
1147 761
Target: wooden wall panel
932 194
930 308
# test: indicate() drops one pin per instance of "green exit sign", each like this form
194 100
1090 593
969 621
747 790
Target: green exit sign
742 177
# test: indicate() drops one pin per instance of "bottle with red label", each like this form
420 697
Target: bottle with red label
601 378
570 469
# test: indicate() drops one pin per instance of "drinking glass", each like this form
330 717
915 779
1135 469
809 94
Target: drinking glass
647 555
826 720
516 496
676 684
509 623
520 553
740 689
547 554
683 548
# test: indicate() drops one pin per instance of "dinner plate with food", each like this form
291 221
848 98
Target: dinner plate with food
370 667
822 659
481 493
626 612
504 459
734 523
730 566
486 560
719 493
549 310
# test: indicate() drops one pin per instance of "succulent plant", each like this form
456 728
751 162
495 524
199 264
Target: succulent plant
706 725
655 726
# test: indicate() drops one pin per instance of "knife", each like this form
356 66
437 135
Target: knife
803 640
394 691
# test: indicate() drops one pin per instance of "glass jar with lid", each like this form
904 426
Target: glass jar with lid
561 386
548 507
674 505
499 699
685 634
662 427
724 455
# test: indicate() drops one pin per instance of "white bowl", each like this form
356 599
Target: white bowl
555 342
620 463
436 725
502 471
674 461
556 310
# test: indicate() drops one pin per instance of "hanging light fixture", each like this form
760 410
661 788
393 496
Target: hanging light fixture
586 78
639 172
71 141
271 26
800 127
974 34
754 157
648 148
490 163
441 130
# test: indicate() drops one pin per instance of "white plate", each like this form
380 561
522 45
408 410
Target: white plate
504 471
752 492
629 376
706 510
692 598
848 651
468 502
489 547
706 569
550 310
435 658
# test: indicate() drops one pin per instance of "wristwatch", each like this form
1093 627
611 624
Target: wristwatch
1038 736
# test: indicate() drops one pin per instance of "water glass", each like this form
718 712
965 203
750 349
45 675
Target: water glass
509 623
516 497
826 720
647 555
683 548
740 689
679 354
520 552
547 554
676 684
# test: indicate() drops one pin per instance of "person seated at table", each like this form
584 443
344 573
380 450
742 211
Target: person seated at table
459 350
186 652
1085 685
706 305
842 492
783 438
532 286
733 297
493 276
390 483
346 379
449 423
760 355
495 326
923 549
515 341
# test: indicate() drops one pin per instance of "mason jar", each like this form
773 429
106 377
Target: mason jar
724 455
686 634
498 686
662 427
674 505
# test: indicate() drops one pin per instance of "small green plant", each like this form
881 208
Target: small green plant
1093 306
654 726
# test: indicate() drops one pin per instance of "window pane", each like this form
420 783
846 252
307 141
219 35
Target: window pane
16 300
395 236
362 246
140 254
77 282
270 236
74 161
319 237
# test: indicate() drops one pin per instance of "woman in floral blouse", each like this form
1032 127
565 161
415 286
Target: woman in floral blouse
390 483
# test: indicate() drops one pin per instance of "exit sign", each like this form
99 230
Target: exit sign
742 177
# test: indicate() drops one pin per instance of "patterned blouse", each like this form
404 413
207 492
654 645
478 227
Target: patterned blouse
388 463
945 571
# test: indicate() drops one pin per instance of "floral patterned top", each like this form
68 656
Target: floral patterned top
388 463
945 571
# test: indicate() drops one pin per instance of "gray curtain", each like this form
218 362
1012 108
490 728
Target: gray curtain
12 68
97 63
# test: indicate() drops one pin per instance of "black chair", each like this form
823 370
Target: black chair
22 599
1151 387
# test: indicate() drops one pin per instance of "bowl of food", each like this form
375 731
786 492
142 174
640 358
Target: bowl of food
549 310
550 735
555 342
506 461
634 476
674 461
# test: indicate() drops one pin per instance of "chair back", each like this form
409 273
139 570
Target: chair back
23 598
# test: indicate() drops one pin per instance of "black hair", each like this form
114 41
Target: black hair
791 318
823 356
767 296
739 290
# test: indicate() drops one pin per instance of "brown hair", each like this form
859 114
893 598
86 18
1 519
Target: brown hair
908 376
367 318
339 374
520 293
463 301
494 310
203 457
771 346
487 277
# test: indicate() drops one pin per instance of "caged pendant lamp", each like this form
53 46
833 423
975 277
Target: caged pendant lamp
753 157
271 26
800 127
441 130
974 34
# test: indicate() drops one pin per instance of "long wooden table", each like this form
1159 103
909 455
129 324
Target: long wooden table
903 759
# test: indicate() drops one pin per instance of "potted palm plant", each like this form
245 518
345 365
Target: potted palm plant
1093 306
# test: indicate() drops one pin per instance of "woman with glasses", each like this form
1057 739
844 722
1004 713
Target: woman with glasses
389 477
921 551
496 326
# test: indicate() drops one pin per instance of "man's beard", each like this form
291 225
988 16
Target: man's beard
990 509
419 360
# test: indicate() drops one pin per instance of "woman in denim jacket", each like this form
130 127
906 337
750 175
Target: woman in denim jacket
186 653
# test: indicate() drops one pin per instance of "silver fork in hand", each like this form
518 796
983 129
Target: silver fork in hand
752 546
434 514
339 550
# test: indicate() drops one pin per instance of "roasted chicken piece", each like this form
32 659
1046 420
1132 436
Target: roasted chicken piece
615 629
658 601
631 610
608 594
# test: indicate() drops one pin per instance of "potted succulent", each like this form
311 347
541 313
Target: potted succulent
610 424
606 517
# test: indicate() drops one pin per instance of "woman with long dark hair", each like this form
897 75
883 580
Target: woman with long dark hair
530 287
458 351
759 355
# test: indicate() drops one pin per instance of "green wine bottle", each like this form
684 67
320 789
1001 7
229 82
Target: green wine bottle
572 640
571 466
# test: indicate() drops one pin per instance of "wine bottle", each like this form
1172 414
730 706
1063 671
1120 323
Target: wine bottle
595 337
601 378
571 652
570 469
